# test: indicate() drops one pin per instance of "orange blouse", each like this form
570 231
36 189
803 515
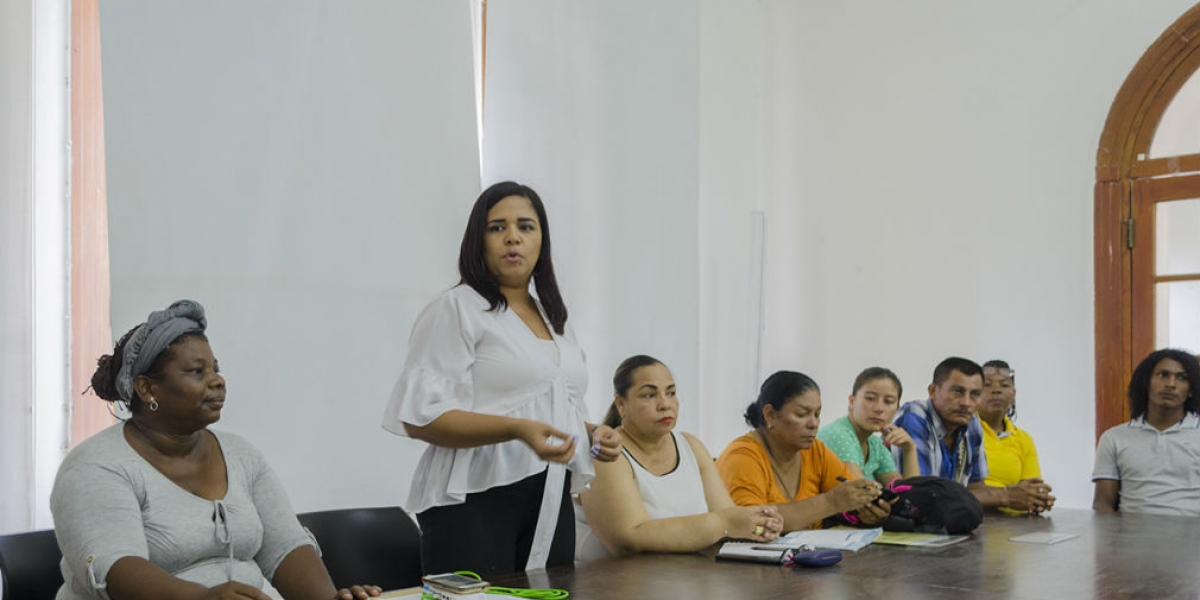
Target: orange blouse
746 469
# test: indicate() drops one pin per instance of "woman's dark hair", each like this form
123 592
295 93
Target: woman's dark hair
104 379
1139 383
999 364
873 373
777 390
623 380
473 269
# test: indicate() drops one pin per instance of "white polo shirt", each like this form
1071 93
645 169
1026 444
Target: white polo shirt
1159 471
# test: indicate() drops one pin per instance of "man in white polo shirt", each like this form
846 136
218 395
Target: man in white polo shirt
1152 463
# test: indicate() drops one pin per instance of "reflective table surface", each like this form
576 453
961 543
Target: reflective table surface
1113 556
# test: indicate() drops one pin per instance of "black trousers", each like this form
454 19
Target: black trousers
492 532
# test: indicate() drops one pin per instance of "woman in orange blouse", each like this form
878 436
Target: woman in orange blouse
782 463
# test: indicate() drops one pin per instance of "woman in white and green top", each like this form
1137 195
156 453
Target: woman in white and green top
873 403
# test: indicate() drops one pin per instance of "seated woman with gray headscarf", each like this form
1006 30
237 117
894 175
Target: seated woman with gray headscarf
160 506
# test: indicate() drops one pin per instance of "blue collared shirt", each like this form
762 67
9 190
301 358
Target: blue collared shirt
924 425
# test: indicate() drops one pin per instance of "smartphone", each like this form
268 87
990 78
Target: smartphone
458 584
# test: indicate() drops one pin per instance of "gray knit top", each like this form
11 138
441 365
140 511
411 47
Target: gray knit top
108 503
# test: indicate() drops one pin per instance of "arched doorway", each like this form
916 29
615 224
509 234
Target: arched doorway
1143 186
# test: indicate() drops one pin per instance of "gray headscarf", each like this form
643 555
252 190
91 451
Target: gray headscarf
152 337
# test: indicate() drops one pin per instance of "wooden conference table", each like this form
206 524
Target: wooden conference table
1114 556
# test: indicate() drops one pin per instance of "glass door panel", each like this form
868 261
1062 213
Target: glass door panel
1165 263
1177 269
1176 132
1177 315
1177 237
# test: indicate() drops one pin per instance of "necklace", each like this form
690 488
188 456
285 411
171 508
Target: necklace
649 456
779 478
863 440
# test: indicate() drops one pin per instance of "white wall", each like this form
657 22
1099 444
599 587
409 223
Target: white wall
931 174
595 106
732 60
927 184
926 170
304 170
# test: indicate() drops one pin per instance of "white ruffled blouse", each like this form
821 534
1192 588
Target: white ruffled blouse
461 356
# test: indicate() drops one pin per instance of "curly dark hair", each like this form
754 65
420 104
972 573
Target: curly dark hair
104 379
1139 383
474 271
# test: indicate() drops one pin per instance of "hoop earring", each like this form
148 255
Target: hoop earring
153 404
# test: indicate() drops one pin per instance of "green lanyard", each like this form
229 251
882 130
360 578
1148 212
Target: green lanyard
533 593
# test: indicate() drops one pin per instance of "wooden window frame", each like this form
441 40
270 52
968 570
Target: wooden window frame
1121 160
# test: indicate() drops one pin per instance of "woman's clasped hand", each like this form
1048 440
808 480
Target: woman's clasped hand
758 523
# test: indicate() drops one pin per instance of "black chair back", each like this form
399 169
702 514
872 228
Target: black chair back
31 565
376 546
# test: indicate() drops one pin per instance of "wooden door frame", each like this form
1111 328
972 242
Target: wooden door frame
1121 158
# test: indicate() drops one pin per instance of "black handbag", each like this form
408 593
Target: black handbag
933 505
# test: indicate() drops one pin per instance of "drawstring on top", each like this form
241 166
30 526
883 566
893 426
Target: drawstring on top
91 571
221 526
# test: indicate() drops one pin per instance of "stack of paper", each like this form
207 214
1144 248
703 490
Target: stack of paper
833 539
923 540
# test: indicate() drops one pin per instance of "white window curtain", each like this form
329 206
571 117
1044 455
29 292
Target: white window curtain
16 265
34 362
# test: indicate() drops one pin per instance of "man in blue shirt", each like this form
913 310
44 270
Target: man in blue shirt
949 437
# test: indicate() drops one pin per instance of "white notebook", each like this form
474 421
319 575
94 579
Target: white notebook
838 538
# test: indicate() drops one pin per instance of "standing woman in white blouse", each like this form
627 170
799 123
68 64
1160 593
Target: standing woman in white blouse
494 382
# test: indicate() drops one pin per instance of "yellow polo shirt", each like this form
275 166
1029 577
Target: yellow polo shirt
1011 456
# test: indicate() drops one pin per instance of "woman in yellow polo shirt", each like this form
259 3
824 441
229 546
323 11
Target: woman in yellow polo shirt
1011 456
